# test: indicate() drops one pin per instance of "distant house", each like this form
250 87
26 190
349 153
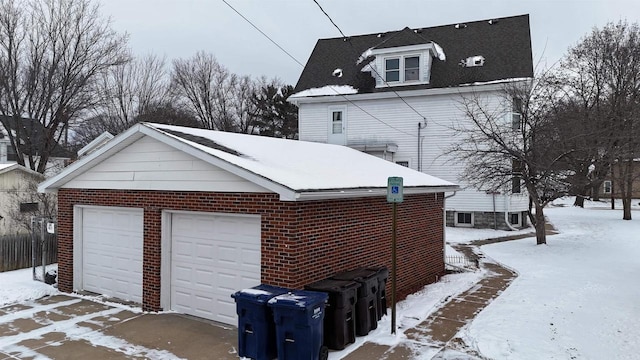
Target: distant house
17 197
396 95
31 141
609 188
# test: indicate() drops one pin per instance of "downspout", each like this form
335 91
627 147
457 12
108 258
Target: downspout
420 127
506 212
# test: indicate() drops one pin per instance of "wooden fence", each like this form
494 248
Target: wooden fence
15 251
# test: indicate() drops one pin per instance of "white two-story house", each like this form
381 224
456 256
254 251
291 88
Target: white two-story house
397 95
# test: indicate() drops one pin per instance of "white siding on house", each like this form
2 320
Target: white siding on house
9 202
149 164
397 123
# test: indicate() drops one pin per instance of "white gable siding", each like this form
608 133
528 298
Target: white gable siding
148 164
397 123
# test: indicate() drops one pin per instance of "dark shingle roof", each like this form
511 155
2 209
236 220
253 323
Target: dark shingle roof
505 44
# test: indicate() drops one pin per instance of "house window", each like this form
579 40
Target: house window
28 207
516 170
516 114
412 68
336 123
515 185
514 219
402 69
404 163
464 219
607 185
392 70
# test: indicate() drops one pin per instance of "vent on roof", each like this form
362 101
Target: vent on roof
472 61
381 35
492 21
460 26
417 31
337 72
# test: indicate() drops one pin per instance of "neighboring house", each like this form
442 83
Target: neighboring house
180 218
31 141
609 188
17 199
396 95
95 144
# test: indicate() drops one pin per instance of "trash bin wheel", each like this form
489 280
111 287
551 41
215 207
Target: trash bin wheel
324 353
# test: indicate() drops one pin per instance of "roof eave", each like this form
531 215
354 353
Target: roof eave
309 195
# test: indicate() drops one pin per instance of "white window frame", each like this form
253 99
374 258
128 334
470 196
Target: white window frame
519 223
458 224
401 68
604 187
333 109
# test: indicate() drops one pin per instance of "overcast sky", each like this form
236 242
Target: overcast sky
180 28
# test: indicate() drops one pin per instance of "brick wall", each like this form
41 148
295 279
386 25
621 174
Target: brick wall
301 241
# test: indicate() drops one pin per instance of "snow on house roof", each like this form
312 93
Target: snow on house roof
295 169
6 167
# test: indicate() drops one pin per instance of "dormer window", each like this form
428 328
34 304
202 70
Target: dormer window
402 65
402 69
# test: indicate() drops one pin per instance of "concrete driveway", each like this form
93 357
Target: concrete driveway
64 327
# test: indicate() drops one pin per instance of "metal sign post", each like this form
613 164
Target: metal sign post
394 196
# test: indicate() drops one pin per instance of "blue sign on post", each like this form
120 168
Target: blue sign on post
394 189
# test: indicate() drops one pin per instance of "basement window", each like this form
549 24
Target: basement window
607 186
464 219
514 219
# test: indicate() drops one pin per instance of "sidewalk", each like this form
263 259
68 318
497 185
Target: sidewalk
436 334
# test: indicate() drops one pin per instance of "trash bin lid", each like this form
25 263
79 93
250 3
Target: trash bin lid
333 286
259 294
299 299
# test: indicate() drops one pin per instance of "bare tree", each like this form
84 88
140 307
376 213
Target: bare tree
219 99
602 75
131 89
52 53
506 139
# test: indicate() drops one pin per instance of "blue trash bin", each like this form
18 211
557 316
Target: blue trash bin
256 328
299 316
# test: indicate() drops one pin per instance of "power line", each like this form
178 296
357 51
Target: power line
372 68
329 17
299 63
263 33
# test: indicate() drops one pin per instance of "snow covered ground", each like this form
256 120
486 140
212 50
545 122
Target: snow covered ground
578 297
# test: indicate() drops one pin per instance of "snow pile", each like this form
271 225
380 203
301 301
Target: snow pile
18 286
326 91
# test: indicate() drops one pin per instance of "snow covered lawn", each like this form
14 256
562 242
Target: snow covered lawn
18 286
578 297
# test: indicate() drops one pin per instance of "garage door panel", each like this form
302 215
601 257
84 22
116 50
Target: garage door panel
112 252
212 257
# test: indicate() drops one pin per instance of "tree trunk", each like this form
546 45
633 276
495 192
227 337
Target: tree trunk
540 225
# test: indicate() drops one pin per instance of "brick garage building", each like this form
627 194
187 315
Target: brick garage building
179 218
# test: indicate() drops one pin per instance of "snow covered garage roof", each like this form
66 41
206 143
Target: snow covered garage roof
297 170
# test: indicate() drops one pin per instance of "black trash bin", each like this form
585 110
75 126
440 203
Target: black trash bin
339 317
367 302
256 327
299 317
383 276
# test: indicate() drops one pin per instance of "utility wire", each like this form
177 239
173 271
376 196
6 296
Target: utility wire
263 33
372 68
299 63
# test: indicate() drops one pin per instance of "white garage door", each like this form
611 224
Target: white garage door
112 252
213 256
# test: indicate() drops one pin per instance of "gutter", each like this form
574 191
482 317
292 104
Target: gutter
365 192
